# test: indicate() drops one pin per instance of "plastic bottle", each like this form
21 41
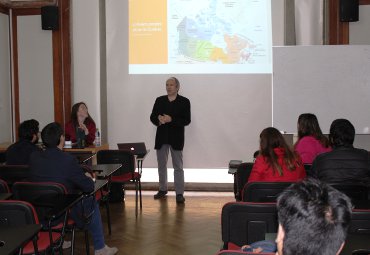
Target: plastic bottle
97 138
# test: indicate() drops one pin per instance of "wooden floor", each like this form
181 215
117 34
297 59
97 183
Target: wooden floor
163 227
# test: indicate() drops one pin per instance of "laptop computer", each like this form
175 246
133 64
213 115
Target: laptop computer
137 149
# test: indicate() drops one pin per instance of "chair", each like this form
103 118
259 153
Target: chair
2 157
30 191
14 173
4 188
307 168
361 252
244 223
240 178
127 173
354 192
263 191
15 213
233 252
360 222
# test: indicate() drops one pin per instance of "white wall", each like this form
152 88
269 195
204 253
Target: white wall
85 55
35 59
247 100
359 32
5 83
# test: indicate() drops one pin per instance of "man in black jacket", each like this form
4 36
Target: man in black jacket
344 164
19 152
54 165
171 113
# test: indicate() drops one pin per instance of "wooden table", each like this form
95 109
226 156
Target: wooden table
90 149
4 146
14 238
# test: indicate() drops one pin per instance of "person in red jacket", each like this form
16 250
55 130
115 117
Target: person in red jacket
276 162
81 125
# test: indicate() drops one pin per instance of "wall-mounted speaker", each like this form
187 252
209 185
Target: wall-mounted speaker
49 18
348 10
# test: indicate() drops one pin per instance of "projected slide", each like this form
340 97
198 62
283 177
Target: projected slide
199 36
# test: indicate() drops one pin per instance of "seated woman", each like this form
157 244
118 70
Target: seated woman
81 125
276 161
311 142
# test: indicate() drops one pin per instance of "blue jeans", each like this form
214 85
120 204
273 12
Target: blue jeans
267 246
94 225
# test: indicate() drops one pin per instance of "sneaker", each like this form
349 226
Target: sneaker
160 194
66 245
180 199
106 251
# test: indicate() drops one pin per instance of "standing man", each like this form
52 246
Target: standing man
171 113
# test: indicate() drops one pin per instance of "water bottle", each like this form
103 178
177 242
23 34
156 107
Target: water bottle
97 138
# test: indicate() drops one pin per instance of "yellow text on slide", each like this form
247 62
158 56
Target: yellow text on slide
148 32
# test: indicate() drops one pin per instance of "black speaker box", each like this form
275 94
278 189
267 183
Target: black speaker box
348 11
49 18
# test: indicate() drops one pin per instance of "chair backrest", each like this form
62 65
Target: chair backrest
263 191
234 252
2 157
14 213
244 223
360 222
354 192
241 177
126 158
14 173
30 191
307 168
4 188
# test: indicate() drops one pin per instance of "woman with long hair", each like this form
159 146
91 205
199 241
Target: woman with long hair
81 125
276 161
311 142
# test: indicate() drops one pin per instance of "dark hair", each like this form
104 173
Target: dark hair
271 138
342 133
27 129
315 218
308 125
74 111
51 134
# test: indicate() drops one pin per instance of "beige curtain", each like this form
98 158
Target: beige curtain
305 22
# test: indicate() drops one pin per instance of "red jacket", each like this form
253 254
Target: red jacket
263 172
70 132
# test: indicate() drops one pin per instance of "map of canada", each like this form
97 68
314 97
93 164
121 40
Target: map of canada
223 32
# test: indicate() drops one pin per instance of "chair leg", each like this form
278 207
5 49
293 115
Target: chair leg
136 198
141 201
87 242
73 242
108 217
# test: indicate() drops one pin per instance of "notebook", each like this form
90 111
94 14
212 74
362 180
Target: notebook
137 149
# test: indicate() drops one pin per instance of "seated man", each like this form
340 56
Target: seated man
54 165
19 152
313 219
344 164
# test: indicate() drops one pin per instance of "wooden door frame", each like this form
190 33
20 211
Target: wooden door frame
61 61
339 31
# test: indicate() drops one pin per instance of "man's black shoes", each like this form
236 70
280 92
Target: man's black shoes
180 199
160 194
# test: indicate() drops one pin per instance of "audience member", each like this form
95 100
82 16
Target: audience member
276 161
54 165
81 126
311 142
19 152
344 164
313 219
